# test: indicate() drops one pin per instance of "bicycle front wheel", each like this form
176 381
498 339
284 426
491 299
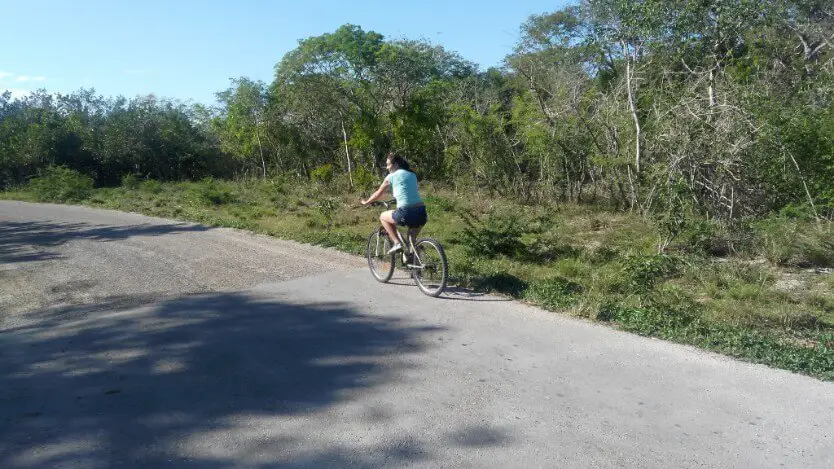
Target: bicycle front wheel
431 270
380 262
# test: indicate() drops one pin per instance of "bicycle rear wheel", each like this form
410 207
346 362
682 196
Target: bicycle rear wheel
431 270
380 262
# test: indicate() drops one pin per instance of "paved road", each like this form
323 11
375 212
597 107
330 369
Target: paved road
127 341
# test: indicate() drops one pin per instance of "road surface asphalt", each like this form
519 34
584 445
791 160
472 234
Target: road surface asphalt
129 341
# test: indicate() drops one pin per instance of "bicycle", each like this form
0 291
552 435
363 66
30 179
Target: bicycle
423 257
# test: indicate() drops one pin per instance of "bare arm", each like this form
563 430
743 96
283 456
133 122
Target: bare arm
378 194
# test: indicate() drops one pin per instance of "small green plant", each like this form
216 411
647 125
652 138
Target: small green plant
498 234
130 181
554 292
685 325
600 255
644 271
674 216
323 175
151 186
326 208
61 184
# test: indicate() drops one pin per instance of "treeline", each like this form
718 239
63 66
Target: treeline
105 138
722 108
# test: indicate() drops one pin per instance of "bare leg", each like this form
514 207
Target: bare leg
390 225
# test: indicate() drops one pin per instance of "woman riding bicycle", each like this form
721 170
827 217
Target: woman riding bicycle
410 210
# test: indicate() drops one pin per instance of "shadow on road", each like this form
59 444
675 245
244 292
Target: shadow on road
402 279
124 383
30 241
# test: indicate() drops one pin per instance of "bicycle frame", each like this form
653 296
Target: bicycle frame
431 276
409 244
411 250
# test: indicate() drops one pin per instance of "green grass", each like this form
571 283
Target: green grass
762 303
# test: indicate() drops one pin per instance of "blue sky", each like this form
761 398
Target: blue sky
190 49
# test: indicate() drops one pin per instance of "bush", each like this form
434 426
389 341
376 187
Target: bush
327 209
151 186
497 235
61 184
364 180
323 175
795 243
211 193
130 181
644 271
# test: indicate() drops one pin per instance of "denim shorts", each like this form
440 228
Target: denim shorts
411 216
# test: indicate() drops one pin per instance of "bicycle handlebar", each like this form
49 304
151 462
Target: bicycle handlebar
386 203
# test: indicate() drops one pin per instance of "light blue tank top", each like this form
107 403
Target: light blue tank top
404 185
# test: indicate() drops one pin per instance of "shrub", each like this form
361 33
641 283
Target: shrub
497 235
644 271
795 243
211 193
323 175
365 181
61 184
151 186
326 209
130 181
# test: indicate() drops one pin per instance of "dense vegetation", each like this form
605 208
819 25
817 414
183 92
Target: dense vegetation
720 108
667 165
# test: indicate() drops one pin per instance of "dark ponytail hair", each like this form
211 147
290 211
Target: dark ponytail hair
399 161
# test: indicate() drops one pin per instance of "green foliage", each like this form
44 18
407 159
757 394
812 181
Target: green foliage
736 158
364 180
327 208
548 249
211 194
323 175
794 242
435 202
60 184
130 181
686 325
241 127
151 186
105 139
559 124
644 271
554 293
498 234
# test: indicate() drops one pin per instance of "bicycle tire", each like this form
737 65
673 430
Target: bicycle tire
438 267
376 252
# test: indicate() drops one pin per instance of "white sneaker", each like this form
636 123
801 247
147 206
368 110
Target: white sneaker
395 248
